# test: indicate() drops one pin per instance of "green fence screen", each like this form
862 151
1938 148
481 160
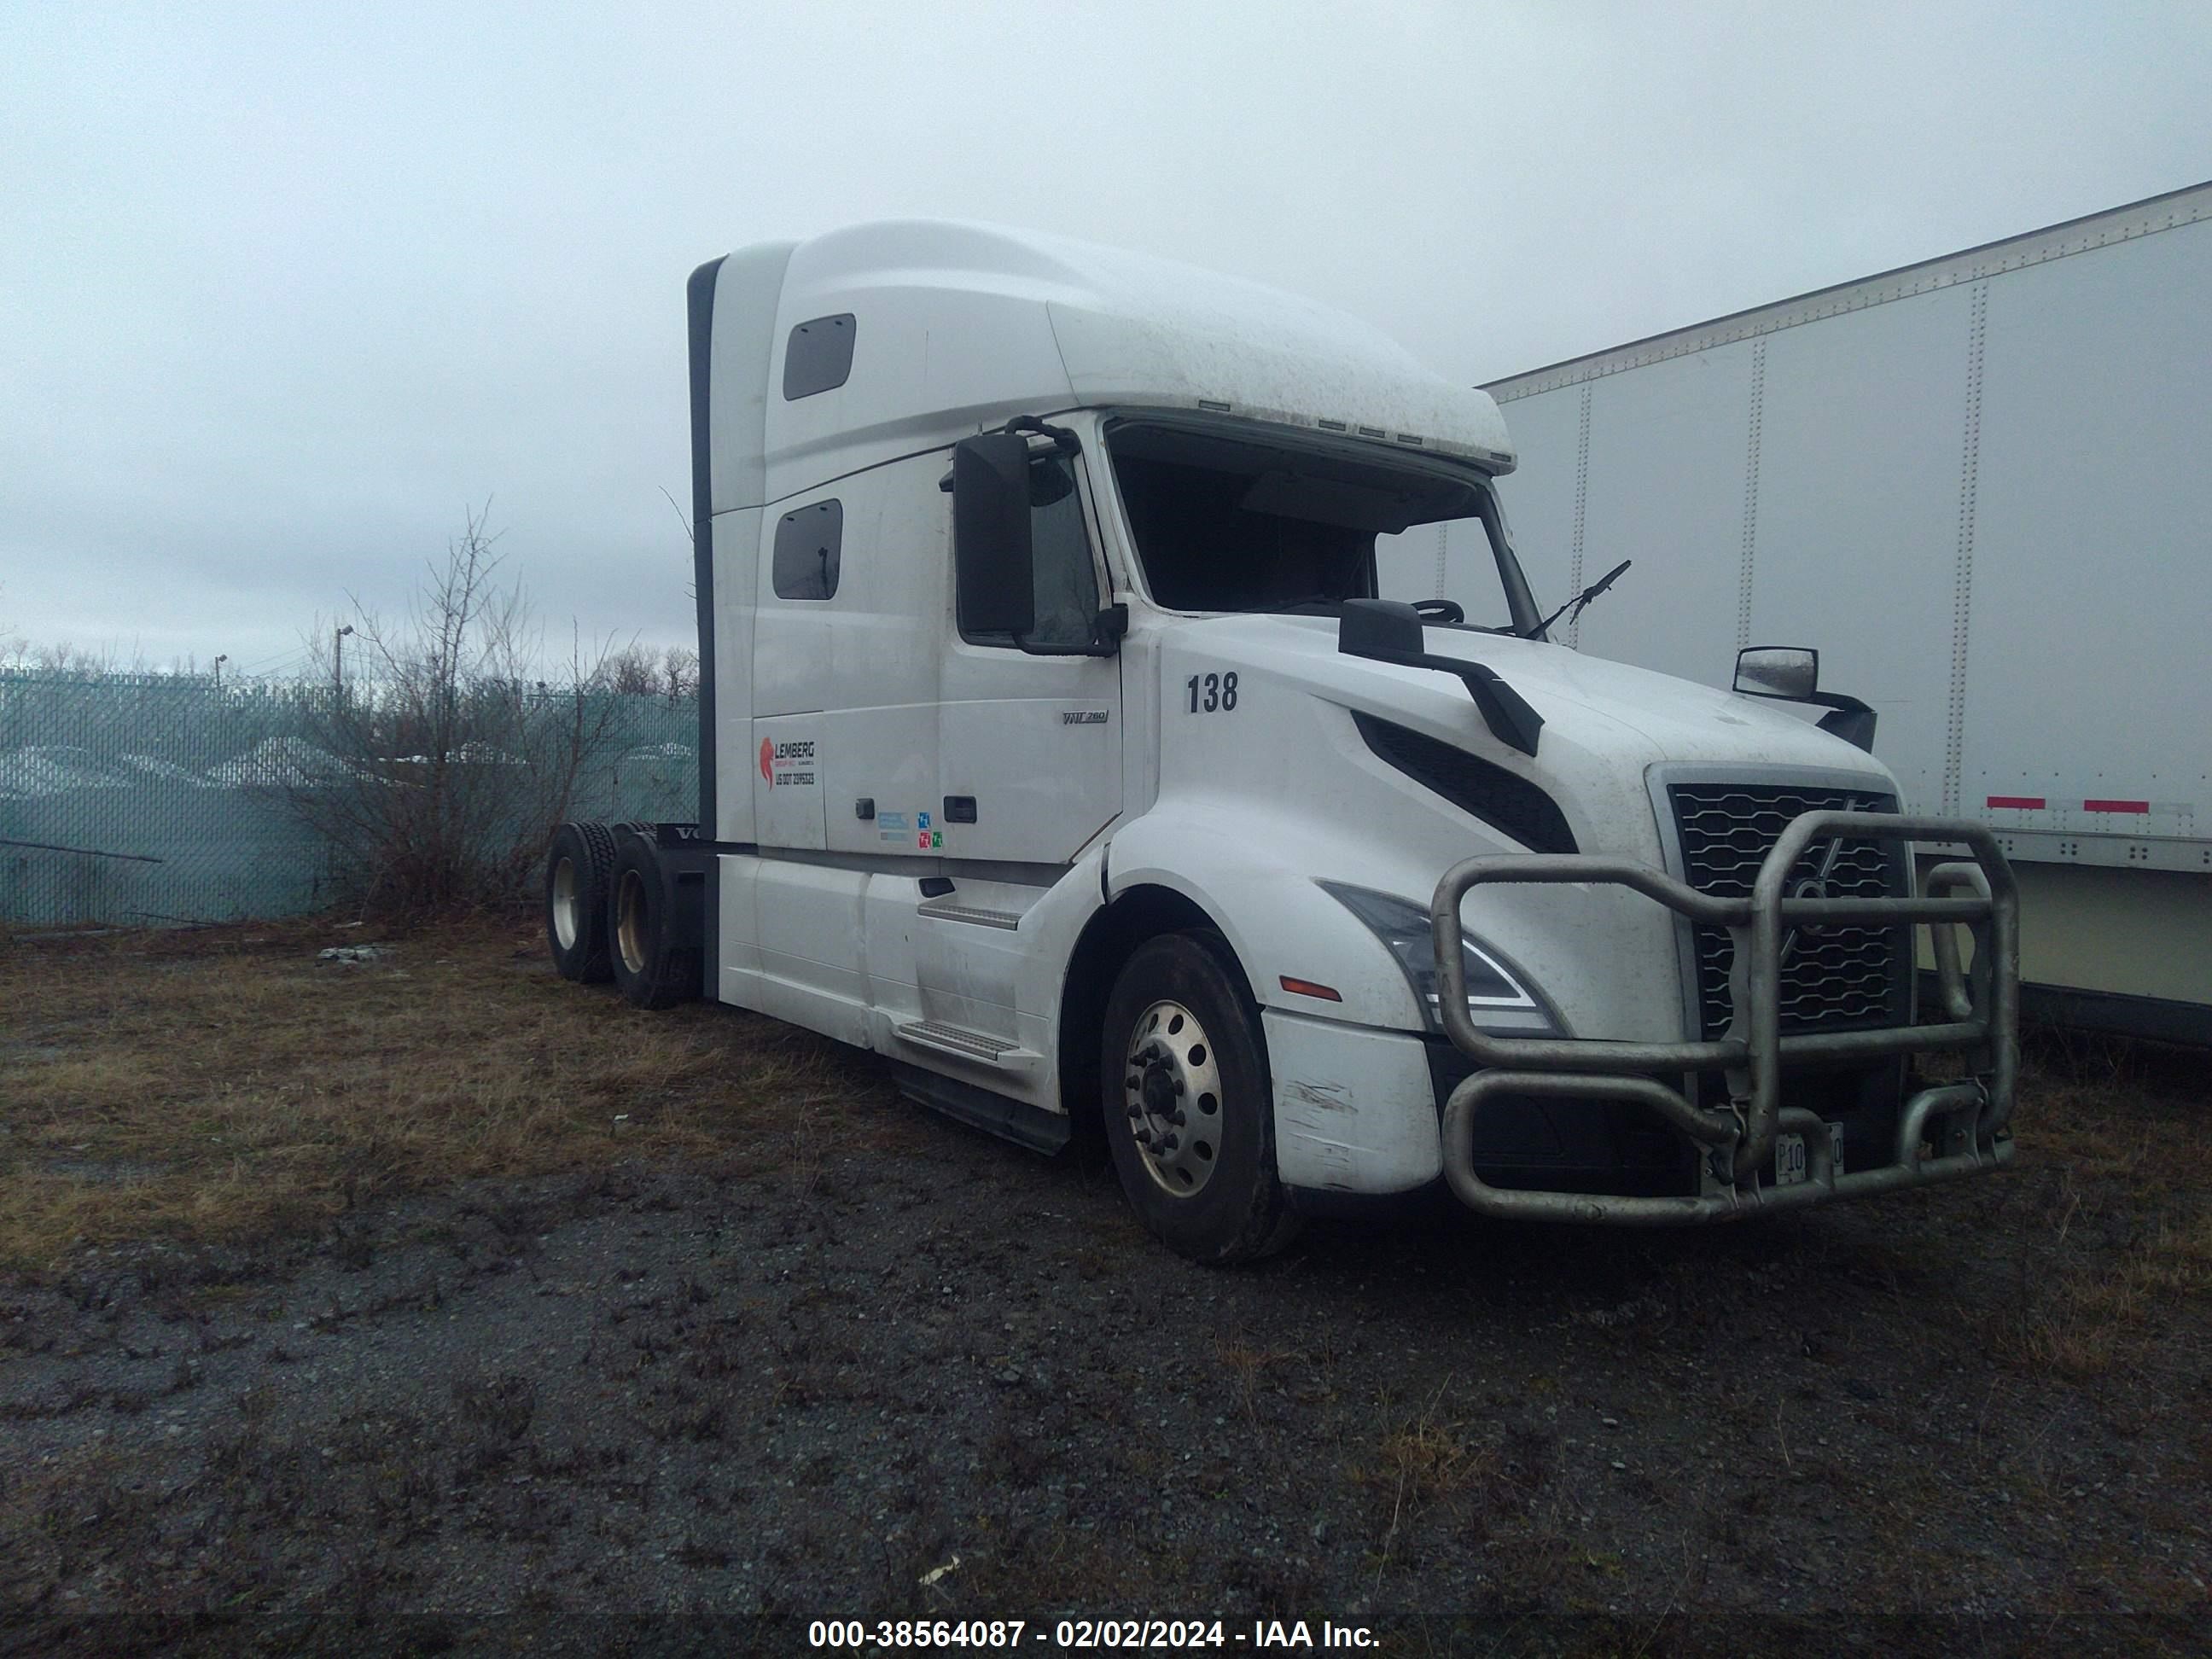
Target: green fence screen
142 800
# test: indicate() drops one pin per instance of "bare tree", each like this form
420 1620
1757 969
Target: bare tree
442 765
682 517
680 673
64 660
632 672
637 671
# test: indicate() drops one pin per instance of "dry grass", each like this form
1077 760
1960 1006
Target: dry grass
2116 1147
225 1083
1248 1364
1422 1458
2089 1319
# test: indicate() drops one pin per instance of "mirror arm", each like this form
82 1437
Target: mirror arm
1835 700
1847 718
1063 440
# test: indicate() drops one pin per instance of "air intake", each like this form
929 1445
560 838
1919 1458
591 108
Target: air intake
1508 803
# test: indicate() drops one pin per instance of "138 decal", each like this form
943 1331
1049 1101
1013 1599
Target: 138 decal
1213 694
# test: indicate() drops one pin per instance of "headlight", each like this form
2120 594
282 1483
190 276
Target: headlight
1496 1000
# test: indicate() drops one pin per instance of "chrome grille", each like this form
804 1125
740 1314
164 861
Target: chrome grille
1832 978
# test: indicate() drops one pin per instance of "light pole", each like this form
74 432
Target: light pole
337 662
219 662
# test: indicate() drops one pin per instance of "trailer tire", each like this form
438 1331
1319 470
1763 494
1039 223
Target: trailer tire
1188 1105
576 870
648 971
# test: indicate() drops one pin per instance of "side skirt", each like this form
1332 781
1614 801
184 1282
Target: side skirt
1010 1120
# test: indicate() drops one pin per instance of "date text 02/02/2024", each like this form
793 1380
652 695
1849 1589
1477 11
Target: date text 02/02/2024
1085 1634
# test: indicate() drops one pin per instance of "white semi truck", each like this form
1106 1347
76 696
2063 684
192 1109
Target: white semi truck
1982 485
1058 746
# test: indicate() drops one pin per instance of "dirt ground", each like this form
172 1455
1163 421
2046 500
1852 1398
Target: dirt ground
427 1303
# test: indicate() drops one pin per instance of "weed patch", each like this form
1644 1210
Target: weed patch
267 1091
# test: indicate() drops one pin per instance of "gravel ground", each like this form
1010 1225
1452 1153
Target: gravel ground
870 1364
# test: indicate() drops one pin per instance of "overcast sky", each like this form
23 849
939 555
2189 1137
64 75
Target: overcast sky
283 290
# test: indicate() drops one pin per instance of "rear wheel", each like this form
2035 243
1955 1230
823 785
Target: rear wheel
650 971
1185 1096
576 871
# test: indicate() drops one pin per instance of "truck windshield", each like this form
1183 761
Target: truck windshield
1228 523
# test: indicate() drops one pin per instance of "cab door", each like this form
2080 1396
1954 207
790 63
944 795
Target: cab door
1030 735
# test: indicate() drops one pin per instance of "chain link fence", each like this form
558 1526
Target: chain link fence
138 800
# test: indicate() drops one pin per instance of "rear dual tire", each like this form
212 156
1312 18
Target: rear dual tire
577 868
649 969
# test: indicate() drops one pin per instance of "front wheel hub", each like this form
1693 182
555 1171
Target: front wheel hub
1172 1092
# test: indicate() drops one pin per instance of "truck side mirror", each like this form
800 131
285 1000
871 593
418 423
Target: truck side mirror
1778 671
994 581
1793 672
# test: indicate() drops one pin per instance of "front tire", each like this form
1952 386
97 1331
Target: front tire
576 870
1188 1109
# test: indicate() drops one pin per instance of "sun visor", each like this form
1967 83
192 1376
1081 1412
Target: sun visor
1326 500
1301 367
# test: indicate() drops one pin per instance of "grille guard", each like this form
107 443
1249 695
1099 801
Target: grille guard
1968 1122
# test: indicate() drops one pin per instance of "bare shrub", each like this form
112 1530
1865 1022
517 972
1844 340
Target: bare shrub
438 765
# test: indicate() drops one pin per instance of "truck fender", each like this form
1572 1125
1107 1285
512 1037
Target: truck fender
1278 921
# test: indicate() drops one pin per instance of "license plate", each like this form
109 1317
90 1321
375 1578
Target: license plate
1791 1166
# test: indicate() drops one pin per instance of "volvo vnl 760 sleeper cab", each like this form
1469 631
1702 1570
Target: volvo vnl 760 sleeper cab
1059 743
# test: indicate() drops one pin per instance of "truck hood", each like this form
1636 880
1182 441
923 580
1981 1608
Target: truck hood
1604 711
1284 779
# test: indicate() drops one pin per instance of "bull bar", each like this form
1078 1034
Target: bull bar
1944 1132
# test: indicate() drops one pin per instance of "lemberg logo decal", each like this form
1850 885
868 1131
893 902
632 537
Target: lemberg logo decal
777 761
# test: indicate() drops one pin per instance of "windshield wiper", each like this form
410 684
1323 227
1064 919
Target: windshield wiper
1582 598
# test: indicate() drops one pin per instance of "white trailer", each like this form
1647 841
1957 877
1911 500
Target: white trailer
1982 487
1058 747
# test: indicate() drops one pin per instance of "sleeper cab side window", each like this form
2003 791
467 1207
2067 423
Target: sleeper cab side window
808 542
819 357
1065 585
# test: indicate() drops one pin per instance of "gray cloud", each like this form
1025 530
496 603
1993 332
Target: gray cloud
282 291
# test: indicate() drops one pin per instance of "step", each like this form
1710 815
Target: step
950 909
945 1039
